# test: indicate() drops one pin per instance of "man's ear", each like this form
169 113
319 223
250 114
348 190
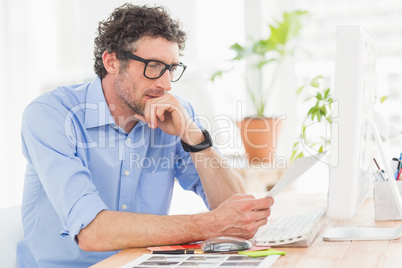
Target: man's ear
111 63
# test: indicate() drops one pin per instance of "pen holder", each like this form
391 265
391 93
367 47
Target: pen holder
384 202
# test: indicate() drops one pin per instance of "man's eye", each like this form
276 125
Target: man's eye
155 65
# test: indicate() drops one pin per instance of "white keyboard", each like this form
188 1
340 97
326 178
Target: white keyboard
292 230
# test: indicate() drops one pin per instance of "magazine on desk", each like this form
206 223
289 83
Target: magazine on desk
201 260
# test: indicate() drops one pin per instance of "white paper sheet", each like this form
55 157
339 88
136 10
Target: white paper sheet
294 171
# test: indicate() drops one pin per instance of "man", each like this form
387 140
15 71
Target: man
102 157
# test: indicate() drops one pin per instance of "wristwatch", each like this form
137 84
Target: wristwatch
198 147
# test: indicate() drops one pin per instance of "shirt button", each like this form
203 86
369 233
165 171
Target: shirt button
127 173
128 140
124 206
115 127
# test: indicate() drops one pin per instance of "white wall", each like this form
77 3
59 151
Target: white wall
47 43
19 61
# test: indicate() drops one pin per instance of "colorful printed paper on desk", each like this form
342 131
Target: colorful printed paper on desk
202 260
175 247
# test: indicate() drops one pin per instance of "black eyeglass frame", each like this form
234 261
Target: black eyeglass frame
167 66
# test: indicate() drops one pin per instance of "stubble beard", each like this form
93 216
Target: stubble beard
129 94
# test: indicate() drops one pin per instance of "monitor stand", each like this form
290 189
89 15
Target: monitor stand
371 233
362 233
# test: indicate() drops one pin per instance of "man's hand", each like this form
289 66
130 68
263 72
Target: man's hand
167 113
240 216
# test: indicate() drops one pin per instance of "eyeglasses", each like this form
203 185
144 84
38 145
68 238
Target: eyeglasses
154 69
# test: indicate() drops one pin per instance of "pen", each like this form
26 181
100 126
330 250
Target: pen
399 174
179 251
377 177
400 162
375 161
380 175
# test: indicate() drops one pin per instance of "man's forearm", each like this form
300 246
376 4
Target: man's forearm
238 216
218 179
114 230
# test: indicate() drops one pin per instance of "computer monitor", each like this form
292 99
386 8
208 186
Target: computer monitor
355 137
352 140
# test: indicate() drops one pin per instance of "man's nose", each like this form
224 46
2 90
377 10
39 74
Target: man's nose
164 81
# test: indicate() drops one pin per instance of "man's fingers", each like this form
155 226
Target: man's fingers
166 112
258 204
152 112
264 203
162 110
243 215
153 119
156 111
262 214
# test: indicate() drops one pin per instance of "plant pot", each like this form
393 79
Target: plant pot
260 137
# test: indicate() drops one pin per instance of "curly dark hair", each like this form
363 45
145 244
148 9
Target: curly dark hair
128 24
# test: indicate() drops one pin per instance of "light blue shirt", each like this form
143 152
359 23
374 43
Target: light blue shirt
79 162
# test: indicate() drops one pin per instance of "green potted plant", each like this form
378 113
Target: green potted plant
263 58
320 111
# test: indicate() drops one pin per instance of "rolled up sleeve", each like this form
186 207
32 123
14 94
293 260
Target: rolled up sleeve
83 212
64 176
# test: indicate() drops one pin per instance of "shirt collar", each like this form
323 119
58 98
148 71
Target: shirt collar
97 112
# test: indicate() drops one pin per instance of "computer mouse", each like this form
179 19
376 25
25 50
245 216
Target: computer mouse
225 243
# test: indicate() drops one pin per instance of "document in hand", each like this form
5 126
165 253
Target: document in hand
295 170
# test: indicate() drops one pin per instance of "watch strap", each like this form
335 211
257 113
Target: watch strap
198 147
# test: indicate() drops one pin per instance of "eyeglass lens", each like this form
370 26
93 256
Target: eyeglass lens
155 69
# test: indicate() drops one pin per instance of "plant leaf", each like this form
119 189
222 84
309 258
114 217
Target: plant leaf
288 28
321 149
261 63
215 75
312 110
299 90
314 82
318 114
326 93
323 110
262 46
300 155
309 98
241 52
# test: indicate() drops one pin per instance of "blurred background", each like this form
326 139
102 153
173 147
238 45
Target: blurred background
48 43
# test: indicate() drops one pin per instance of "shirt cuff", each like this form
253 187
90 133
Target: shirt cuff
83 212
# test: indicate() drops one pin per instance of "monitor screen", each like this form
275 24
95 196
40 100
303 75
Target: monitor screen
351 141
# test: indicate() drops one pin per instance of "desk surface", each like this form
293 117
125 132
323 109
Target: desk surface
320 253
